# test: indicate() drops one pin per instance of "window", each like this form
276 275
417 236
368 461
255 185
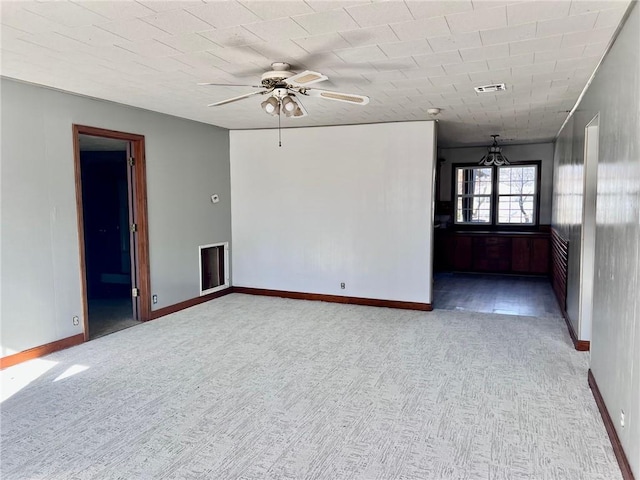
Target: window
473 199
517 194
506 195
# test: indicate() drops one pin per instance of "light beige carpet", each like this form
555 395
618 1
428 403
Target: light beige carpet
266 388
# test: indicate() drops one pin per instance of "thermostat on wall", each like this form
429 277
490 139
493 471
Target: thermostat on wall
215 198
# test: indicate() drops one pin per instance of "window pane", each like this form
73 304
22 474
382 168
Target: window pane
515 180
473 210
480 183
516 209
473 181
473 194
460 181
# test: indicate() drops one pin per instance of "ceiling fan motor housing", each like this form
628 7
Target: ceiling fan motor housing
274 77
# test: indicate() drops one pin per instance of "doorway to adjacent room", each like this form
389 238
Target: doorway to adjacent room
112 221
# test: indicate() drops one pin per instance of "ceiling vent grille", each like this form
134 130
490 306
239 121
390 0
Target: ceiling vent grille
497 87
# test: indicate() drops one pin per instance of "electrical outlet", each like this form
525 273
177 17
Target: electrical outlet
342 286
622 418
76 320
154 299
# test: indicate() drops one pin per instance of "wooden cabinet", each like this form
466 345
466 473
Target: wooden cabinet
530 255
494 252
520 254
540 258
491 254
461 248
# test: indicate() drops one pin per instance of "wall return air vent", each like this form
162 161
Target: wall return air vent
496 87
214 267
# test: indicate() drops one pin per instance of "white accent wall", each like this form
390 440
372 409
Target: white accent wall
614 94
186 163
350 204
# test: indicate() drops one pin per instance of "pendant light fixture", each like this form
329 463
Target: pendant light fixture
494 156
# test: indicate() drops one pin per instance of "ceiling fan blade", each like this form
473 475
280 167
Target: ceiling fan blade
230 85
301 111
235 99
305 78
338 96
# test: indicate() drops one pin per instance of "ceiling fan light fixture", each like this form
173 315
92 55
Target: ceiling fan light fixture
494 155
271 105
289 105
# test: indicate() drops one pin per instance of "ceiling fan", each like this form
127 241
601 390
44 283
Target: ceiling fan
284 89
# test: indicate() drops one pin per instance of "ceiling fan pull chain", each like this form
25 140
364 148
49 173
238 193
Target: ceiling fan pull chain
279 131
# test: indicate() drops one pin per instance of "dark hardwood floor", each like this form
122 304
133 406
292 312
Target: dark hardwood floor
504 294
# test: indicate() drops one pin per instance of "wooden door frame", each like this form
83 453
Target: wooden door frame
143 274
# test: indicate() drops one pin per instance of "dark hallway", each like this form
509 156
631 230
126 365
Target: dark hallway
106 234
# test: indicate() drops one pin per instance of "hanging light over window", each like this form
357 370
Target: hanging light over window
494 156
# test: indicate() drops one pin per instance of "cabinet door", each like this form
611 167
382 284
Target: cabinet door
442 252
521 254
491 254
461 259
540 255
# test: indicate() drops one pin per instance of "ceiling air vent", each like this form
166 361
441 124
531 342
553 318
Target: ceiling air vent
497 87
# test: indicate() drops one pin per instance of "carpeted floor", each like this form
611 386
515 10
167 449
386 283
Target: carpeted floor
266 388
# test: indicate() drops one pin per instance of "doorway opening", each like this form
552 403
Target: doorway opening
588 232
491 254
112 226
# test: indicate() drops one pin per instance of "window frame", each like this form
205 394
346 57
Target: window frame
494 224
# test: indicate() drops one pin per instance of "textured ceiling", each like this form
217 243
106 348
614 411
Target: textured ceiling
408 56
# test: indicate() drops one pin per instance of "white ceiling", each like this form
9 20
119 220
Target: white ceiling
408 56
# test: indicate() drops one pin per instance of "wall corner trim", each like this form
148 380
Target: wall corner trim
40 351
580 345
372 302
625 468
161 312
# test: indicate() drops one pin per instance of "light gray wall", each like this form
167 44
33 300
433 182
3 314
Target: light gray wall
615 343
186 163
348 204
567 215
515 153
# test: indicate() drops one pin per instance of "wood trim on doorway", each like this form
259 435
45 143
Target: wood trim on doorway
144 279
